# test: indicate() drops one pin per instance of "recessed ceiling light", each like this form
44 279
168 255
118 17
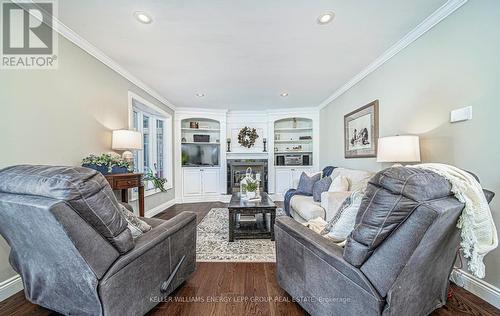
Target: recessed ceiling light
284 94
326 18
143 17
200 95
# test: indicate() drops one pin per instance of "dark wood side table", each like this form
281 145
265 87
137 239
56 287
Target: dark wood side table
125 181
243 207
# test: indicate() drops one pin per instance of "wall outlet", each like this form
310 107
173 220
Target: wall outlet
460 115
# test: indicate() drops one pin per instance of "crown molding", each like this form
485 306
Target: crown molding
437 16
85 45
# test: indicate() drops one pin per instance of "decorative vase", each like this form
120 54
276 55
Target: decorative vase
251 195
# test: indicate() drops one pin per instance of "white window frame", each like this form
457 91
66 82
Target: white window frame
155 112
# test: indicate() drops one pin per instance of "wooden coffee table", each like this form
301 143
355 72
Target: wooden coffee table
243 207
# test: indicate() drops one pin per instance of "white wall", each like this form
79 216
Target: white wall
455 64
59 116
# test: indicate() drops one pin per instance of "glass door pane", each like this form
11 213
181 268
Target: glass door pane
135 122
146 137
159 148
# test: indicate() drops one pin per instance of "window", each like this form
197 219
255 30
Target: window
156 128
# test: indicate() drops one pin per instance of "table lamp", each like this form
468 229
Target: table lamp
397 149
127 140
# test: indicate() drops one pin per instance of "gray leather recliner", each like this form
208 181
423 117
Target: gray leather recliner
73 250
397 260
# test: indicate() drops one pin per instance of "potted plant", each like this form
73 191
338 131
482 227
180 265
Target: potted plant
106 163
250 186
158 182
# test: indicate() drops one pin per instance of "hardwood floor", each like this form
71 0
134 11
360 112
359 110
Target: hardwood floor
240 289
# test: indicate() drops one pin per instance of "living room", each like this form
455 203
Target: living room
233 157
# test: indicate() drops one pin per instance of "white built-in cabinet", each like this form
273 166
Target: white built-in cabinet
292 131
210 180
288 177
295 132
204 132
198 182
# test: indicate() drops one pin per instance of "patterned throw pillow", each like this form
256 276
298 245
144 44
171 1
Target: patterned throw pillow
307 182
320 187
342 224
137 226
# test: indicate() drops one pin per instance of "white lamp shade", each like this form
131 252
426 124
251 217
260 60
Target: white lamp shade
124 139
404 148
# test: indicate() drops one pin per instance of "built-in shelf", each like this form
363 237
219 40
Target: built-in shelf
303 141
187 129
201 143
292 152
287 134
298 129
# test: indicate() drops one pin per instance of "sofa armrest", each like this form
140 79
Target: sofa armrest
153 237
323 248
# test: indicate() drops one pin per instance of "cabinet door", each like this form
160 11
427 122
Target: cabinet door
191 182
283 180
210 181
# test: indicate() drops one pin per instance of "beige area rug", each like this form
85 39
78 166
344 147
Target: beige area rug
213 244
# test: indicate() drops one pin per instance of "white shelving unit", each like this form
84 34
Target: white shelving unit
199 182
207 127
294 133
287 136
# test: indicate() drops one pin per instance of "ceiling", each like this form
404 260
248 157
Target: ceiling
242 54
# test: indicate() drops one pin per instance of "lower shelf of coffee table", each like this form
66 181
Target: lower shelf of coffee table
252 230
258 224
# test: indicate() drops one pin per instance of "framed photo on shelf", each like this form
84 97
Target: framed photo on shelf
361 132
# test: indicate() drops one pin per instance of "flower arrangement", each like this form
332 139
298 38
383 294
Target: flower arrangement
106 163
250 185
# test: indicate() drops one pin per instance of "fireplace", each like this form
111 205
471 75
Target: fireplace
236 170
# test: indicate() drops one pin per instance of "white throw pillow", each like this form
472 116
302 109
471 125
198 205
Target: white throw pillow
342 224
357 179
339 184
331 202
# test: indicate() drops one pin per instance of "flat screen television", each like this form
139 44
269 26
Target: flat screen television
194 155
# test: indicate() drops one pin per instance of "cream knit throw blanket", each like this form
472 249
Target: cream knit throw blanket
478 231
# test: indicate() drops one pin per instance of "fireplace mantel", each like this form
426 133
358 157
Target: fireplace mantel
247 155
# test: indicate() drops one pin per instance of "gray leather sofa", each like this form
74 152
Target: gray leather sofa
397 261
73 250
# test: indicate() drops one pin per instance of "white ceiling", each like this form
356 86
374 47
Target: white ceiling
243 53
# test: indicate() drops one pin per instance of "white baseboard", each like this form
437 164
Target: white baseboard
160 208
476 286
10 287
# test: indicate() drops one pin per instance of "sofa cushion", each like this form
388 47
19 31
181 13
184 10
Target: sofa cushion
391 197
307 182
85 190
320 187
339 184
358 179
306 208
